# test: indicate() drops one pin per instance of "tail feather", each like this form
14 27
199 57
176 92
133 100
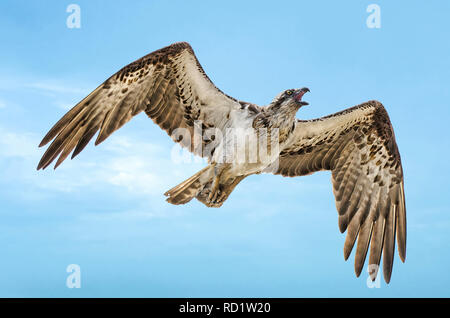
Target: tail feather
199 186
188 189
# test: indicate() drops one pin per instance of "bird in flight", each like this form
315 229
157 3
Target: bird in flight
357 144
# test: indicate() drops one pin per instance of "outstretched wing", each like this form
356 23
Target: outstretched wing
168 84
358 146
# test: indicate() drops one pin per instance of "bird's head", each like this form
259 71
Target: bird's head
291 98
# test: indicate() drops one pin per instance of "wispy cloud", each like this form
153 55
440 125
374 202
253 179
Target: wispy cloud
62 93
137 167
16 145
50 87
61 87
64 104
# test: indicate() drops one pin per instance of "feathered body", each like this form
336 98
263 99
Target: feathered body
213 185
358 144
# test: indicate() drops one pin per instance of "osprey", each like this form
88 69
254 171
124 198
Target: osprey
357 144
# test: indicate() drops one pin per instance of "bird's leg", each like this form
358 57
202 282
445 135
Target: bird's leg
215 187
214 191
229 188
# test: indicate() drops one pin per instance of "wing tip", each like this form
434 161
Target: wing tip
346 255
99 140
42 163
402 255
49 136
58 163
42 166
74 154
387 277
343 223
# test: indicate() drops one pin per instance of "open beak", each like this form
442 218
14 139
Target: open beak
299 95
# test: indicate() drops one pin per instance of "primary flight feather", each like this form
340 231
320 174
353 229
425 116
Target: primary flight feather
169 85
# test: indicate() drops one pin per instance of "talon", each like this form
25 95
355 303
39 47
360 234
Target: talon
221 197
217 195
214 189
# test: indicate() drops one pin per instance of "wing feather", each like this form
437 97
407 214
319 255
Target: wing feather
352 234
358 146
389 243
401 224
364 238
169 85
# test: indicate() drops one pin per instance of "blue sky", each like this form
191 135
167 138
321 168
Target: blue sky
275 236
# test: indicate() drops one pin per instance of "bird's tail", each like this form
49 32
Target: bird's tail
188 189
200 186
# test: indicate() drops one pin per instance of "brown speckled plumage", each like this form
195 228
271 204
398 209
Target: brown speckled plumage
170 86
361 152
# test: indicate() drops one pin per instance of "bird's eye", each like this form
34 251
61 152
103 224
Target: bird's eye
289 92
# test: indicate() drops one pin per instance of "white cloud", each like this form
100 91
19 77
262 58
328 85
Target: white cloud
52 87
65 105
139 168
124 168
130 172
64 95
16 145
46 86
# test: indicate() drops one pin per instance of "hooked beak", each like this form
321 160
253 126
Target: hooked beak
299 95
